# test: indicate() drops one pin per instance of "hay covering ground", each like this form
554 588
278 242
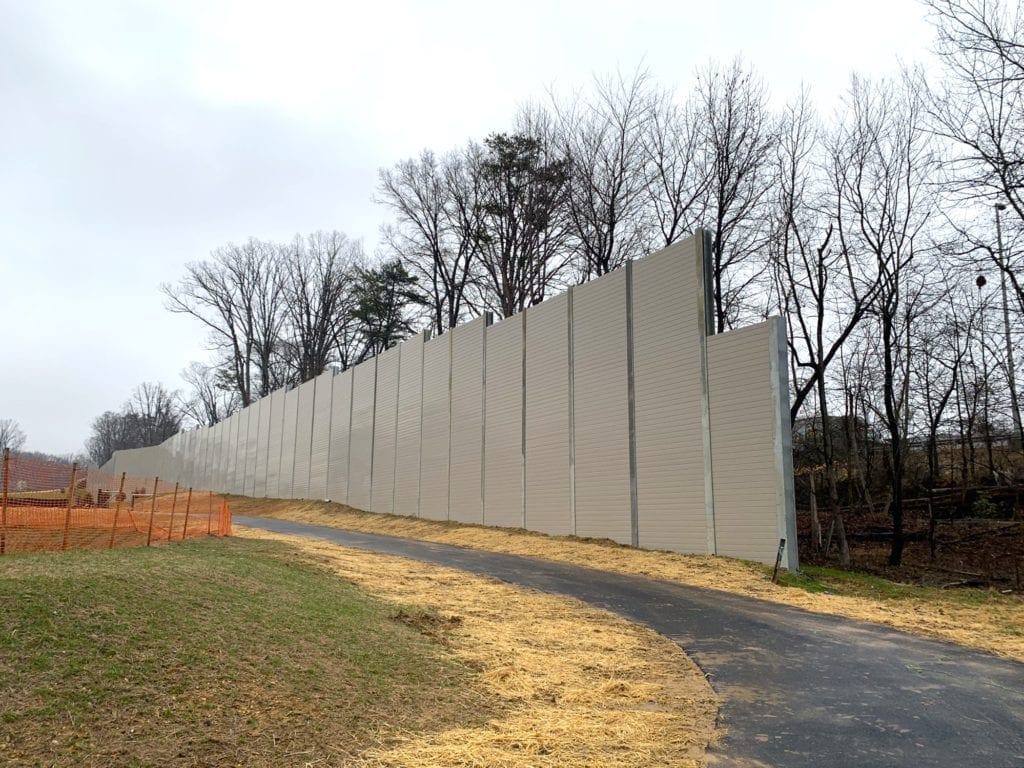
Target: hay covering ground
581 688
994 627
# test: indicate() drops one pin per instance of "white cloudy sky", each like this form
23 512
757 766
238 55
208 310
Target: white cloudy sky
140 135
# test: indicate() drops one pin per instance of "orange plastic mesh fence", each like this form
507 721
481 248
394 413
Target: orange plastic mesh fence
47 506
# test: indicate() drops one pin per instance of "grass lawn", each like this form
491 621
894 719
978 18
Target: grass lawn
211 652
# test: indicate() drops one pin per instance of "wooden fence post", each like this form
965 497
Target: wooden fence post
3 501
209 517
174 503
117 509
188 506
152 512
70 504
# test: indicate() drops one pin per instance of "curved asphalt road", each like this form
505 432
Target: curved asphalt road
796 688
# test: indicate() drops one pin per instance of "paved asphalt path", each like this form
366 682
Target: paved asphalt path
797 688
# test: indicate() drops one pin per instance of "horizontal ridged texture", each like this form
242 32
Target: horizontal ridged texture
360 460
503 456
742 443
262 407
382 499
291 410
274 443
669 385
321 437
407 455
303 440
467 422
341 414
436 425
601 409
547 417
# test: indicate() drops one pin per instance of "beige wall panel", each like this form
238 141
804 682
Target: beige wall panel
548 500
360 460
303 441
384 421
215 456
230 448
321 436
601 409
466 472
259 480
341 413
668 326
407 450
242 468
291 411
436 426
749 503
503 455
275 439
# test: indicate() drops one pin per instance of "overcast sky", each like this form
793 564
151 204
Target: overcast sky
138 136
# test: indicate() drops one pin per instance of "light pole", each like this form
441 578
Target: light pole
980 282
1010 373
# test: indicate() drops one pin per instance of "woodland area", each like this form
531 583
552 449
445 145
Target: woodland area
889 235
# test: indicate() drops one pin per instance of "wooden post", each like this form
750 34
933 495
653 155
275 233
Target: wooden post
188 506
152 512
3 500
70 504
209 517
117 509
174 503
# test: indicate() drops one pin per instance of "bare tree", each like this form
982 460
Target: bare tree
238 295
12 436
887 201
149 417
436 228
603 136
740 137
211 399
319 275
676 168
523 235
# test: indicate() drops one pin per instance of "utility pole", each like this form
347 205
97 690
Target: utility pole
1010 373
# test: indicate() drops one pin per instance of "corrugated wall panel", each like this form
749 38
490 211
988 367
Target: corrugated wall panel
601 409
548 500
215 456
503 455
669 380
238 482
360 460
275 439
341 415
291 411
321 438
231 453
436 429
383 492
304 441
750 506
407 449
259 478
466 472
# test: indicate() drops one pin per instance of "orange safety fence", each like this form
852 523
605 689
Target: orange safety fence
50 506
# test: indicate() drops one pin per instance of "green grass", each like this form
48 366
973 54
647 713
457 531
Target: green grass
210 652
835 581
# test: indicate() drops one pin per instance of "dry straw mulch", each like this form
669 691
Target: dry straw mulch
579 687
997 627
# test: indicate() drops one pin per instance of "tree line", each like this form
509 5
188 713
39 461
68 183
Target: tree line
886 234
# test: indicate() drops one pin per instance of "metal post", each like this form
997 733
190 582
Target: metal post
174 503
152 512
188 507
3 500
1010 372
71 501
117 509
